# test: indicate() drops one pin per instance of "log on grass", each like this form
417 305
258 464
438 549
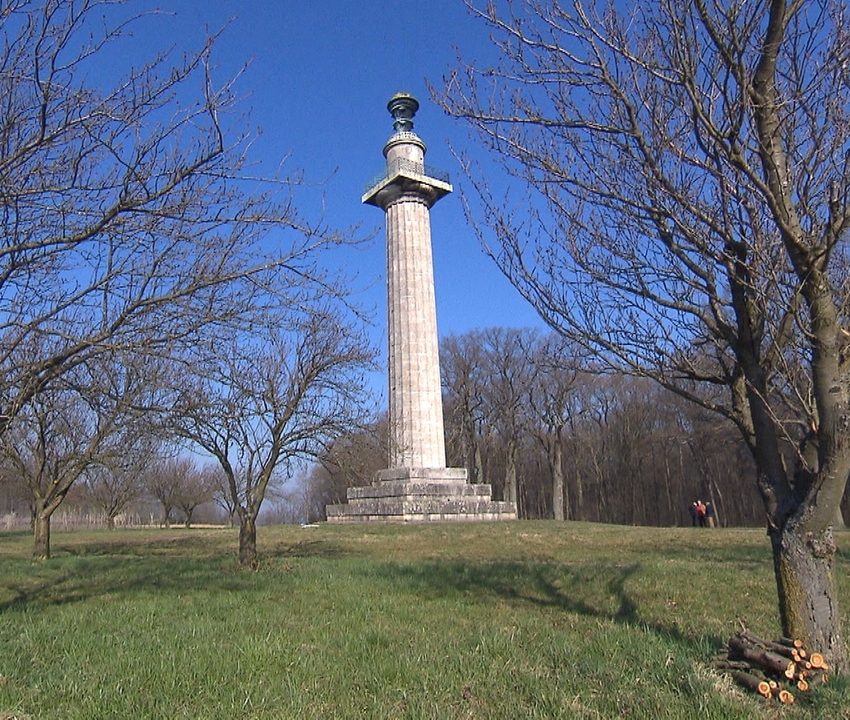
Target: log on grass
770 661
722 663
751 682
817 661
758 642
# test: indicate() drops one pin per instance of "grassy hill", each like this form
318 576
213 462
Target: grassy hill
503 620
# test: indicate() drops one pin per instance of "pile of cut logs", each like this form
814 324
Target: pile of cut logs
772 669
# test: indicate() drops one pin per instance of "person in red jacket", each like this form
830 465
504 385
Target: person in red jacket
700 513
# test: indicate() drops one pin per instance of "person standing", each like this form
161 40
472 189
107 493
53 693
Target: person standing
700 513
709 515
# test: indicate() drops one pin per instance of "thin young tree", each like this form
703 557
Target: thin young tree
258 402
685 215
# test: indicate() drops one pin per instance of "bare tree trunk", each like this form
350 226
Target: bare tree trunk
716 500
808 598
579 485
672 510
511 474
247 542
559 497
41 534
471 452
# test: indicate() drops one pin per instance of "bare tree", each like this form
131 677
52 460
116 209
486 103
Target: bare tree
281 394
125 215
196 488
221 495
510 375
165 479
688 194
351 460
14 495
556 368
113 483
464 380
92 415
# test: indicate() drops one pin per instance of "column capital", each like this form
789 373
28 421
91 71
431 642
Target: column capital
405 189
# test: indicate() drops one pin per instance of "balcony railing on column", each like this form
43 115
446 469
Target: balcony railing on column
403 166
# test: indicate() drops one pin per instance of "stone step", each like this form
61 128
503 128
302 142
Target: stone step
420 495
387 489
419 510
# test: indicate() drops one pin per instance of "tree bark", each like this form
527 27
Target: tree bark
248 542
804 564
559 498
41 535
511 494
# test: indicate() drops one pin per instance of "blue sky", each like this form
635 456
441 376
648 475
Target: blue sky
319 78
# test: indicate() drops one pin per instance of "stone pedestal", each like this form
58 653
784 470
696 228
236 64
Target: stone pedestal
420 495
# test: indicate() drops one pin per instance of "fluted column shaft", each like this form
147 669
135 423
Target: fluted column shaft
415 394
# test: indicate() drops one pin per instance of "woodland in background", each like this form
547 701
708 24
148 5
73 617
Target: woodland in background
631 452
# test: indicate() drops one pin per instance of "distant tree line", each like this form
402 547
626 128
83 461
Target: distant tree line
156 489
528 415
525 412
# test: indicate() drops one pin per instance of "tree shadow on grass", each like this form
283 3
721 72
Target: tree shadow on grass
171 543
594 592
182 562
312 548
597 592
80 579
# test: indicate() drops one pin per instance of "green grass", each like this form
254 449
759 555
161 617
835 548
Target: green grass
502 620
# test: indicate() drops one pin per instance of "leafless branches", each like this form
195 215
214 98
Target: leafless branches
258 403
685 200
125 220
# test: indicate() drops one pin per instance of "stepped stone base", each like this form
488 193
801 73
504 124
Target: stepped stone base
420 495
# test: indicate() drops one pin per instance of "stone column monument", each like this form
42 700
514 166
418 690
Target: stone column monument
417 485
